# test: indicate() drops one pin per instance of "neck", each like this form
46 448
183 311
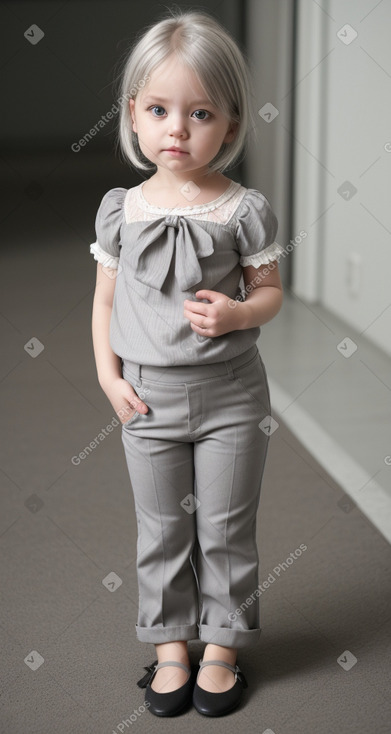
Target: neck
173 181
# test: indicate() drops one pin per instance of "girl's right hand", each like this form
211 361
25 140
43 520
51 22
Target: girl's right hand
124 399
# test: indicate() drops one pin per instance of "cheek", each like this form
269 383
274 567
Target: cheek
148 131
215 142
209 138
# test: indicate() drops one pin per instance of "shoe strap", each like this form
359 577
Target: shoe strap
219 662
235 669
173 662
151 670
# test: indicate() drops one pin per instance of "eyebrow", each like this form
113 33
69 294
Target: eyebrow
151 98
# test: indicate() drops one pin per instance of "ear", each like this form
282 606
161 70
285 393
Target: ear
231 132
132 114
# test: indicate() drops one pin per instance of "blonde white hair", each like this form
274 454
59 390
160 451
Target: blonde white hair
206 48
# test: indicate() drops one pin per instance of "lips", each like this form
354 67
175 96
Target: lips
178 150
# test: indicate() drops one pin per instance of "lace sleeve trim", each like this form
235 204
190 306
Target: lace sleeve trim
264 257
108 261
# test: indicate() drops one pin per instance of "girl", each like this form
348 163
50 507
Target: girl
176 354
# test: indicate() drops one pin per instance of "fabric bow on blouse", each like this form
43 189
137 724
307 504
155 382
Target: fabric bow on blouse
163 239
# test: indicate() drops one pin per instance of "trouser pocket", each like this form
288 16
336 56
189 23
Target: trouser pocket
251 378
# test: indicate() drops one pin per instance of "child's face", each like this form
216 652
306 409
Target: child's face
172 110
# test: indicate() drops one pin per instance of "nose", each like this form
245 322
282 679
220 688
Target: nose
177 126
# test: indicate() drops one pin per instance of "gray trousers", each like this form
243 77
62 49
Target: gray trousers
195 462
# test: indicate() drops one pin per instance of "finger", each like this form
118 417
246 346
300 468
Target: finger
206 294
199 329
124 413
199 320
131 397
139 405
195 307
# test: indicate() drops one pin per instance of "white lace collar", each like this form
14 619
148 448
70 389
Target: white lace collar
196 209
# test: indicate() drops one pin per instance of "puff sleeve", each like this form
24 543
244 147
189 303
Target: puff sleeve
256 228
108 222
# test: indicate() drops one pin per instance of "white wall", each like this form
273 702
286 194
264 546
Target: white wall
343 133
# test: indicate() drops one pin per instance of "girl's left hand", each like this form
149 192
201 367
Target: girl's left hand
219 317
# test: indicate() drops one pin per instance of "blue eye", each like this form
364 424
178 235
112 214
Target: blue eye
203 112
156 107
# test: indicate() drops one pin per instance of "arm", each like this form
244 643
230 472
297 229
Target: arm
121 394
224 314
265 299
108 364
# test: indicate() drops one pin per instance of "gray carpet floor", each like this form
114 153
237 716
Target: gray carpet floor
70 657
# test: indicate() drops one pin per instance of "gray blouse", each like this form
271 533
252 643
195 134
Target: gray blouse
162 256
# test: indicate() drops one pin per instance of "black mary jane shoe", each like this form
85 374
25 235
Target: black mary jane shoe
173 702
218 704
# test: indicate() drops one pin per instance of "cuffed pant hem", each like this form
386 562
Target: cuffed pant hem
167 634
228 637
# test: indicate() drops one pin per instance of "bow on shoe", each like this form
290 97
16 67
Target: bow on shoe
143 682
151 257
240 676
